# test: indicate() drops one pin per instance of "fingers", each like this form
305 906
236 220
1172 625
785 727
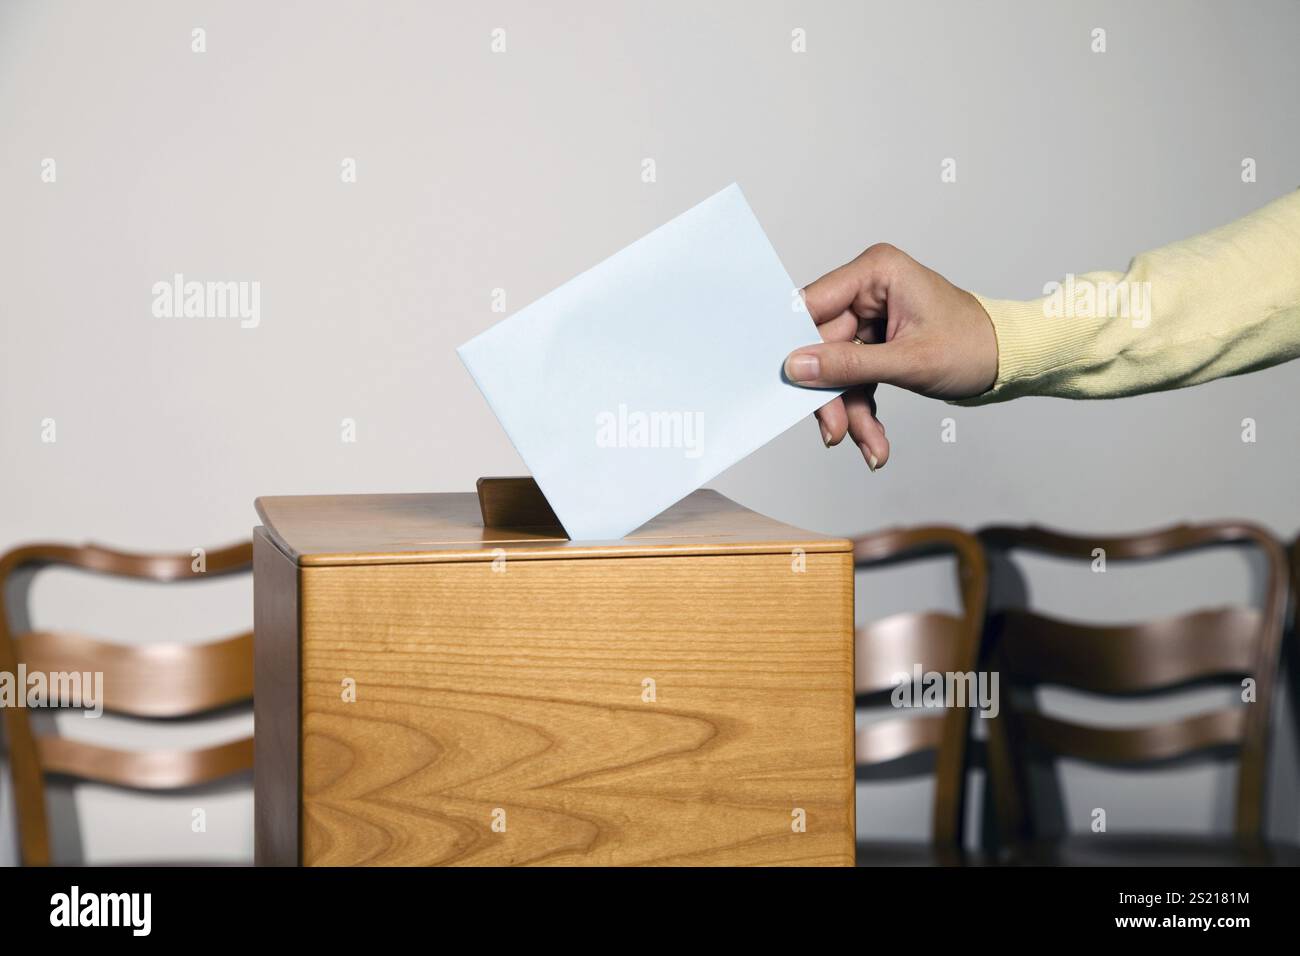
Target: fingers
865 427
858 286
834 422
838 302
831 295
839 329
837 364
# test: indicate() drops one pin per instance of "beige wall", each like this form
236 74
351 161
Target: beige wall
517 170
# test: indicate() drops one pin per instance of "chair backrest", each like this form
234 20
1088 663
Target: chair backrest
149 681
935 641
1220 644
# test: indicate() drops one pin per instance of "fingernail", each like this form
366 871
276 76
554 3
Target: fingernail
802 368
826 436
872 461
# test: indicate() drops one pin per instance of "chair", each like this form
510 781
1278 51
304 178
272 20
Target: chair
937 642
1210 645
152 681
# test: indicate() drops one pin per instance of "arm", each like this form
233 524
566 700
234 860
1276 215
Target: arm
1218 304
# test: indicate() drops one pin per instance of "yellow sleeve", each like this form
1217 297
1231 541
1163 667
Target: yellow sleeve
1218 304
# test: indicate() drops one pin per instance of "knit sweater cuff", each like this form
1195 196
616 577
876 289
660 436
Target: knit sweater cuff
1032 345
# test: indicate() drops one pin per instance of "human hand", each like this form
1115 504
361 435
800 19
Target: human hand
915 329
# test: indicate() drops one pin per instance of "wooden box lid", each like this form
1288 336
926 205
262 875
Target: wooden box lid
333 530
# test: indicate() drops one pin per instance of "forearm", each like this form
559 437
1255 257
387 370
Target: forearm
1218 304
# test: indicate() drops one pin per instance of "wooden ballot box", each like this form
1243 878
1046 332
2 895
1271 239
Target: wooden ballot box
437 689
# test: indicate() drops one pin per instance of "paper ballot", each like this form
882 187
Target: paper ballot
632 385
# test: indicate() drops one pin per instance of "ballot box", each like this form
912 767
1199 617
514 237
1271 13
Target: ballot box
446 679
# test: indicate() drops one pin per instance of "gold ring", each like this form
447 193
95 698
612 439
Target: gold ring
858 341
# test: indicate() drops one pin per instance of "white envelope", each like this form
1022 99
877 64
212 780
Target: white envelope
632 385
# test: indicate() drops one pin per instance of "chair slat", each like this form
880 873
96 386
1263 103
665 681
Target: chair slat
143 770
886 648
1120 745
1121 659
154 680
893 645
1141 546
206 678
232 559
1211 644
898 737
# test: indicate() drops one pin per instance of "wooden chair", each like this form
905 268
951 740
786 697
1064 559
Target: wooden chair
151 681
937 642
1213 645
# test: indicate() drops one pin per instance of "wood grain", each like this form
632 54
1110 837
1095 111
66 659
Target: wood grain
333 530
521 689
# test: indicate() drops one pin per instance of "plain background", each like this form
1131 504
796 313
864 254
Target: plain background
479 171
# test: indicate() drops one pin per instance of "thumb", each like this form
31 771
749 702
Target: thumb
839 364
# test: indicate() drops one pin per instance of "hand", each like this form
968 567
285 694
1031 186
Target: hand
921 332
